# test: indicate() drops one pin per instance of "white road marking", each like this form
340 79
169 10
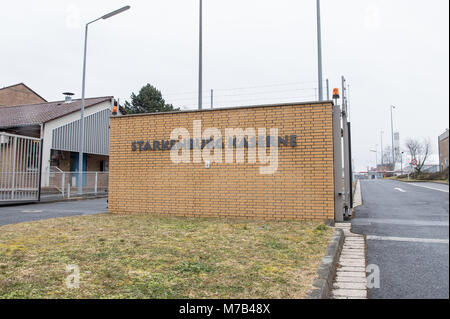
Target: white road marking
433 188
400 190
409 222
406 239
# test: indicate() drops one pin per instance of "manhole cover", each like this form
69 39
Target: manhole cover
32 211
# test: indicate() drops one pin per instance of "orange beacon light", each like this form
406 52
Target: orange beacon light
114 108
335 93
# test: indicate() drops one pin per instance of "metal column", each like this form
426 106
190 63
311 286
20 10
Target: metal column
347 158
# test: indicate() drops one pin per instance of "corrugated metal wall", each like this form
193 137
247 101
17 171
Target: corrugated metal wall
96 134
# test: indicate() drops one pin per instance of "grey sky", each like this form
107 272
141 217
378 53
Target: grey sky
391 52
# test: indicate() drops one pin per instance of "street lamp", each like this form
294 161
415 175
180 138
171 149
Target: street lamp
401 161
81 142
376 157
319 51
392 136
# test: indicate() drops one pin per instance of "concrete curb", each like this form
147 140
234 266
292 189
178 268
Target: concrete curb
72 199
421 181
327 269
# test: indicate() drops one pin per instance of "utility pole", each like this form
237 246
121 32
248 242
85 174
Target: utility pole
200 59
401 159
382 153
392 136
347 173
376 155
319 51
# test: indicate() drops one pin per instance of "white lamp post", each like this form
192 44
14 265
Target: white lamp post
81 142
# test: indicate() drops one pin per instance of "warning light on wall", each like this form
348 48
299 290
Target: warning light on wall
335 93
114 108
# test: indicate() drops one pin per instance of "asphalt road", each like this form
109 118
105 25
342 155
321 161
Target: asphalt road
407 231
30 212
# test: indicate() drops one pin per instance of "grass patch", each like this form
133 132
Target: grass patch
143 256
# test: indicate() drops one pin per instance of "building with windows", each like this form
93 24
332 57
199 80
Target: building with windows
443 151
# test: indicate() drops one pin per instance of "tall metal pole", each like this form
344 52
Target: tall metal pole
347 156
382 154
212 98
376 155
392 136
401 165
319 53
328 90
83 86
81 142
200 60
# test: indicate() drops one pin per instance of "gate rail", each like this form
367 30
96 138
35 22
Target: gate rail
20 168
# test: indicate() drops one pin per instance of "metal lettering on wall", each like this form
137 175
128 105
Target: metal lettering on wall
167 145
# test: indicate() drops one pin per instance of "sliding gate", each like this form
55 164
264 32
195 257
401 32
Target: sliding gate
20 167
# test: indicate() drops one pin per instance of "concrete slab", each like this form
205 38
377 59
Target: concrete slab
343 278
357 274
344 297
350 285
350 293
352 263
352 269
353 256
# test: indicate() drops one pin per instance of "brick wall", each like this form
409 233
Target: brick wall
302 187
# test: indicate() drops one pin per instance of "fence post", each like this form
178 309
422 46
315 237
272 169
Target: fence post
63 178
13 188
96 179
68 190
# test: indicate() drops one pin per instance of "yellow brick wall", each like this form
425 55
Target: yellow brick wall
302 187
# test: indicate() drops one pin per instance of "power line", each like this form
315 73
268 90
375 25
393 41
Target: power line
281 99
240 88
241 94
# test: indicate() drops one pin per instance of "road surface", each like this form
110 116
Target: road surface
407 231
22 213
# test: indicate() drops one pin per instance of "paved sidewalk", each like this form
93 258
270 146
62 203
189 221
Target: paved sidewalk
351 281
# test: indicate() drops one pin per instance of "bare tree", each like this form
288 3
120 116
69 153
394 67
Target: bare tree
419 151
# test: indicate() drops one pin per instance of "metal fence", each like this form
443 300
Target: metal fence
65 184
20 160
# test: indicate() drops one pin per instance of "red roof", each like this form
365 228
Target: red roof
32 114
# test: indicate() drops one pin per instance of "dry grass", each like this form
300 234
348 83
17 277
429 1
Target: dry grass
141 256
